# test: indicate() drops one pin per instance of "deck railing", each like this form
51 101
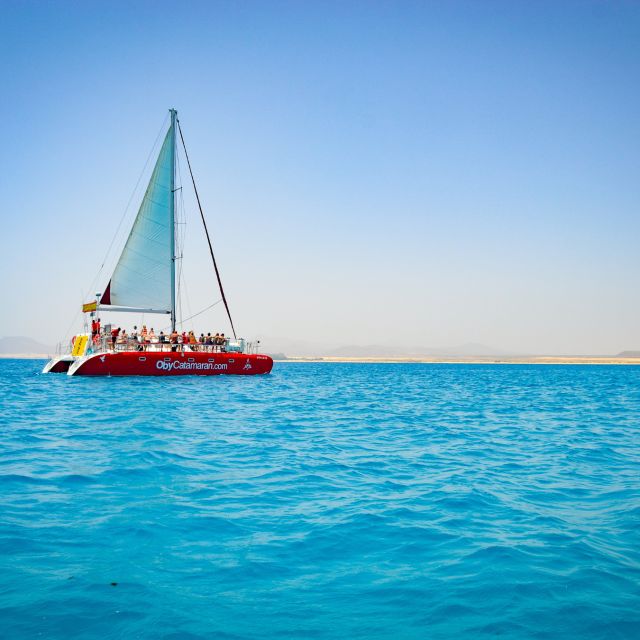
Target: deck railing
105 343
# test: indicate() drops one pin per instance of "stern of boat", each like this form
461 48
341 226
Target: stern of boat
58 364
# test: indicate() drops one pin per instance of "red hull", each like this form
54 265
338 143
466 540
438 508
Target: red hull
149 363
62 366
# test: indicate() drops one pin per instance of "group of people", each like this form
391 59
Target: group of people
140 339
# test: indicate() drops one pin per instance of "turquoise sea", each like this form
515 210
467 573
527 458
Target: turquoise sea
368 501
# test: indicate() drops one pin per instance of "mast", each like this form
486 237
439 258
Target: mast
172 219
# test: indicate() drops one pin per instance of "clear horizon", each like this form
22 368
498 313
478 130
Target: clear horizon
389 173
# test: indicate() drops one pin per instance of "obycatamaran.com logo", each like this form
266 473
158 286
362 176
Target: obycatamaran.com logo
176 365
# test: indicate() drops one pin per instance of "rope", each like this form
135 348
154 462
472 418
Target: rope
201 312
115 235
194 315
215 266
126 209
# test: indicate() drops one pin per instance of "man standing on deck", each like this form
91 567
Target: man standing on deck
114 337
173 339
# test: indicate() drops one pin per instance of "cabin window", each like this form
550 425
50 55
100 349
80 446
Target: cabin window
191 359
167 359
231 360
142 358
211 360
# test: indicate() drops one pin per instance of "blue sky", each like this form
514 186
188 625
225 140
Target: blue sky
427 173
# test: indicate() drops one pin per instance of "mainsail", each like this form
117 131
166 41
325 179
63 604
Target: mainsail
144 275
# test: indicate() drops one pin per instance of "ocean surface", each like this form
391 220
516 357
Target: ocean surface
342 501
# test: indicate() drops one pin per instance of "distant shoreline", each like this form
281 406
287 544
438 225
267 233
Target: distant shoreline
419 359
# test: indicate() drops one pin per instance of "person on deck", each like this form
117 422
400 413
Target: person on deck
173 339
144 333
223 342
114 337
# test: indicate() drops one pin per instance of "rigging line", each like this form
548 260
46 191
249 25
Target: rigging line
180 233
198 314
104 260
185 303
215 266
126 210
188 303
68 331
201 312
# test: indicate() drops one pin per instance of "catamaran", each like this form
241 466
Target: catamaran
144 282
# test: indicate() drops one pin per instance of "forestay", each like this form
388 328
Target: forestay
143 276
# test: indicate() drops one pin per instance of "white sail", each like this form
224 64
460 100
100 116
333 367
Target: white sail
143 277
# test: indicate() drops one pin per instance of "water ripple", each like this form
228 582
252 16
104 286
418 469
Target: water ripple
323 501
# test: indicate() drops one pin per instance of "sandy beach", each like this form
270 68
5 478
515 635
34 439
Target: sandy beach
477 360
